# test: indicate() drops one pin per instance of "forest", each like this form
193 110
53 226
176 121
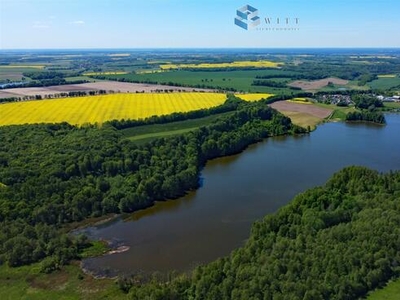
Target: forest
53 174
337 241
367 106
366 116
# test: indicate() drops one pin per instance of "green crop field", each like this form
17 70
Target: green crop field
385 83
239 80
395 105
142 134
339 113
14 72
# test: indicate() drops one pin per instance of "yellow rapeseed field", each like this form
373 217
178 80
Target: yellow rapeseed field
98 109
235 64
253 97
300 100
22 66
105 73
387 76
150 71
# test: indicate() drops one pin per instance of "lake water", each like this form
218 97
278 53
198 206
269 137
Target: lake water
237 190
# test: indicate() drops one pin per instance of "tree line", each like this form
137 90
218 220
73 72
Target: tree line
366 116
274 84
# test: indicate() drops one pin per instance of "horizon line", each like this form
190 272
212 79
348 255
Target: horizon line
201 48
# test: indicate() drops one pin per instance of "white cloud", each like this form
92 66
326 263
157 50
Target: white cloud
41 24
78 22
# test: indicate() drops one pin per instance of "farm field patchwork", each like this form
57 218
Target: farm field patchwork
105 73
98 109
235 64
238 80
14 72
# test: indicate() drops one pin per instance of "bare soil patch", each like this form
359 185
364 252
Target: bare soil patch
122 87
57 281
4 94
310 109
317 84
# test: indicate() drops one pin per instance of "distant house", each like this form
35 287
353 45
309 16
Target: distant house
380 97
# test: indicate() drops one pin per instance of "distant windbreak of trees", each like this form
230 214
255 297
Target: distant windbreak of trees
53 174
342 68
169 83
49 78
338 241
273 84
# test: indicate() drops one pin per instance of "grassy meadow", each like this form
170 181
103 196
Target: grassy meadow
143 134
392 105
68 283
390 292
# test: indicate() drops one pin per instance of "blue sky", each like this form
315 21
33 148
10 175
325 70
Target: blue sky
35 24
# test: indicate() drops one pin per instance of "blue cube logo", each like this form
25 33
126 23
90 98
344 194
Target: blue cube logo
247 17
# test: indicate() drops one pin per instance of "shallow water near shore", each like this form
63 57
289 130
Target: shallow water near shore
236 191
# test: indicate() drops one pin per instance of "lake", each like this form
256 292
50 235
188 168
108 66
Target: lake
236 191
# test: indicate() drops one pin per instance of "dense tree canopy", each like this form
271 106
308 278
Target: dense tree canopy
366 116
363 101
